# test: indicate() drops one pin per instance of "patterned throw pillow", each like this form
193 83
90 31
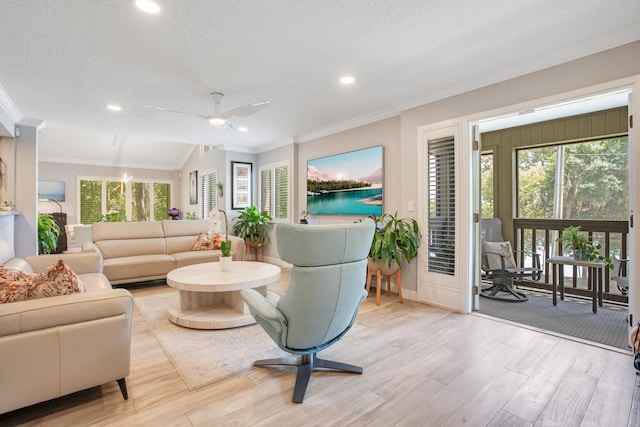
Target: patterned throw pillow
57 279
503 248
206 243
15 285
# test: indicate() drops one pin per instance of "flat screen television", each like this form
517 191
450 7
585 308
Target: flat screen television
52 190
349 183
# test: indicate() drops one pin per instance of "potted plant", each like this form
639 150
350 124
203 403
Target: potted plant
394 238
8 205
225 245
48 232
252 225
304 217
580 247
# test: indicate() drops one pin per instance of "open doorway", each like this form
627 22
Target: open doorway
542 170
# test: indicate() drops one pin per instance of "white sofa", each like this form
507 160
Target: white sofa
148 250
50 347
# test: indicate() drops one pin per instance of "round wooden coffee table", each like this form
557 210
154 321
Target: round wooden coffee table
210 299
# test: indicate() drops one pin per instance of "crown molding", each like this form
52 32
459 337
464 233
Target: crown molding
7 105
349 124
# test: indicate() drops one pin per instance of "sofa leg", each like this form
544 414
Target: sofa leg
123 388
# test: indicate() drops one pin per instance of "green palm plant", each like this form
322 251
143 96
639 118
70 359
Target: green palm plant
48 233
253 225
394 238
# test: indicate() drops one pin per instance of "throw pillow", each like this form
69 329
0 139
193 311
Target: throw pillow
493 251
15 285
57 279
206 243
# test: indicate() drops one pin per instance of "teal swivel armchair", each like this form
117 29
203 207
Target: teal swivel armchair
324 293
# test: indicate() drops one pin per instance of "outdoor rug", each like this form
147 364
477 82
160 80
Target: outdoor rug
572 317
204 357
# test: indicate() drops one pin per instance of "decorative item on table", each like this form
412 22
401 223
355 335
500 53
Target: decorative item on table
215 228
304 217
8 205
581 248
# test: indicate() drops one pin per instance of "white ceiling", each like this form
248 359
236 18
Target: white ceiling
64 61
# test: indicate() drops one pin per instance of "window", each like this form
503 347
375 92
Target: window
274 190
593 177
110 199
209 188
441 191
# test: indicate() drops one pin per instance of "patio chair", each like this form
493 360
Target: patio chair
622 280
499 264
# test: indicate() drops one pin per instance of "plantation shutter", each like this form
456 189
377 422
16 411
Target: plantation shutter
266 190
208 183
442 209
281 192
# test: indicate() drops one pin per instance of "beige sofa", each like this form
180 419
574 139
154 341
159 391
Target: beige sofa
50 347
148 250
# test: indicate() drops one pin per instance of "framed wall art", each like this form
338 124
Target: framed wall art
347 183
241 185
193 187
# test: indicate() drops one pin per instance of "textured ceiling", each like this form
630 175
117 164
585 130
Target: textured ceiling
64 61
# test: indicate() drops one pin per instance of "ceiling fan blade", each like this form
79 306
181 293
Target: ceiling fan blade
247 110
170 111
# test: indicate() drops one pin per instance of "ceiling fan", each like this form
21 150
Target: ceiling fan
221 119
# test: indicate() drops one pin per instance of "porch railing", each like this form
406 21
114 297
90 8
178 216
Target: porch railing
540 235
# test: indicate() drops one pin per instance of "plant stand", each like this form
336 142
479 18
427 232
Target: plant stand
379 275
257 249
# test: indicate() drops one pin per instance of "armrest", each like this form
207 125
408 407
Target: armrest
237 248
86 262
261 306
43 313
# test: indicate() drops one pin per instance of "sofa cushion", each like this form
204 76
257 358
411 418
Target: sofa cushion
141 267
207 243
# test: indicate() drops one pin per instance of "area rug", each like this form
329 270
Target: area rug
203 357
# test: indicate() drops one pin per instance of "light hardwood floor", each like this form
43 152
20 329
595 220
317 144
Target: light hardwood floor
423 366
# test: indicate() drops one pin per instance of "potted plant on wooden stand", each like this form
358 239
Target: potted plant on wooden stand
253 226
394 239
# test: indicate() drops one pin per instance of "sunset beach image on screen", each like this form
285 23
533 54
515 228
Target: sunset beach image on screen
346 184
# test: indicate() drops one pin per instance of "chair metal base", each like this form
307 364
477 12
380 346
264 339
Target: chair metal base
305 365
498 289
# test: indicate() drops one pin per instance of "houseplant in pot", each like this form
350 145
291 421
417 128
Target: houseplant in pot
580 247
216 218
48 232
252 225
394 238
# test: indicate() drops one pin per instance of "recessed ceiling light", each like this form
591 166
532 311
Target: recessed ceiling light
148 6
114 107
347 80
242 129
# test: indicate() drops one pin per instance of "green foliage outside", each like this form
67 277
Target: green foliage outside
486 181
596 180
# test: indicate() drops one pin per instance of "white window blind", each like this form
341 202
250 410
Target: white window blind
208 185
442 209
